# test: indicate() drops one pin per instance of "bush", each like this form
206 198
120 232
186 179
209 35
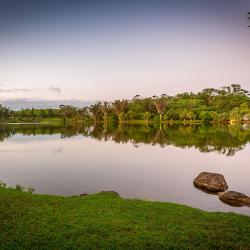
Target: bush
19 188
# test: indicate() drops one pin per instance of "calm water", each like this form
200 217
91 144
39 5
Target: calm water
136 161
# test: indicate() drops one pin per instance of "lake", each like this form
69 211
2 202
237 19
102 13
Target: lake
142 162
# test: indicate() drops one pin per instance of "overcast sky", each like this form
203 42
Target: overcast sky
96 50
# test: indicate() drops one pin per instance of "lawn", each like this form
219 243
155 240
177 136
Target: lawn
106 221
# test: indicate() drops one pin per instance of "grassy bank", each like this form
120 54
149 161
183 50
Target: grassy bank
61 122
106 221
164 122
53 121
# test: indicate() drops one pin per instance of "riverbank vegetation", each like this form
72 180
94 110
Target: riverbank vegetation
230 104
106 221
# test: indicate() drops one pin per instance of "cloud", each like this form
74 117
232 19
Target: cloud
55 89
13 90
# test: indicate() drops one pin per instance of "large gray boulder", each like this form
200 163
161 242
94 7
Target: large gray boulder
211 182
235 199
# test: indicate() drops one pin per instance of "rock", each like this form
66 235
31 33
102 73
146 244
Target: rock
235 199
211 182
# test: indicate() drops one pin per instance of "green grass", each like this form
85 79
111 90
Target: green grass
168 122
53 121
106 221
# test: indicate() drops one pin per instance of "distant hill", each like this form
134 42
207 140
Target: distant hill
18 104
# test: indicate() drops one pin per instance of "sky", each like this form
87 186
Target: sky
106 50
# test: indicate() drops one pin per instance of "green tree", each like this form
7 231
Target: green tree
120 107
106 108
160 105
96 110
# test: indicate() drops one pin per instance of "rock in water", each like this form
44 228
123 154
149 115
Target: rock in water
235 199
211 181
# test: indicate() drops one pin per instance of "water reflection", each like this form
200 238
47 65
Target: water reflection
222 139
145 162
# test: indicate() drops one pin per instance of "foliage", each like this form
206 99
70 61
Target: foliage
2 184
240 113
227 104
106 221
30 190
19 188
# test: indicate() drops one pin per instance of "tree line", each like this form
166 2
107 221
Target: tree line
223 105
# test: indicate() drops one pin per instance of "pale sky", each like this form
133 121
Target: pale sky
105 50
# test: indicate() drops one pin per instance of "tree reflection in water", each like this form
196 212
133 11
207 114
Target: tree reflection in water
222 139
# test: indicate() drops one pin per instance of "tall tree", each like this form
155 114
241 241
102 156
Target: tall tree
119 107
105 107
96 110
160 105
68 111
207 95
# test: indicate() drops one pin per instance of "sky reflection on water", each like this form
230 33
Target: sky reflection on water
82 164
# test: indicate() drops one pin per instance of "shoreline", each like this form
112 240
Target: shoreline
133 122
33 192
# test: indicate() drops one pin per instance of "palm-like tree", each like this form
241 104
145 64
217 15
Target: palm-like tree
105 107
208 94
95 110
160 105
68 111
83 113
119 108
5 112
